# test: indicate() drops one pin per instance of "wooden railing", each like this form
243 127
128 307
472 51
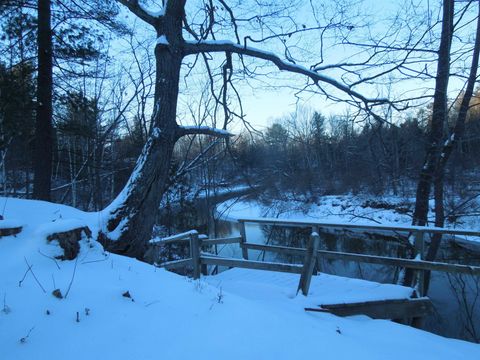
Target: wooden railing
312 251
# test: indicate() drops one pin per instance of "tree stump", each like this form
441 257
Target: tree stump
68 241
10 231
9 227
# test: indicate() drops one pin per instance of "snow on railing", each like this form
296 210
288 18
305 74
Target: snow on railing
177 237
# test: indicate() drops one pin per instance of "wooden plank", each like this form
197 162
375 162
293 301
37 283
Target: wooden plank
220 241
243 235
309 262
373 259
277 248
250 264
176 264
306 223
410 263
195 252
185 236
384 309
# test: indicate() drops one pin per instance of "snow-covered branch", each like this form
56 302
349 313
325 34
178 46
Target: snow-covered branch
195 47
203 130
143 13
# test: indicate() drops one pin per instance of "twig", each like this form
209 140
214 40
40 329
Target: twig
6 308
51 258
94 261
24 339
4 206
36 279
152 303
23 278
73 276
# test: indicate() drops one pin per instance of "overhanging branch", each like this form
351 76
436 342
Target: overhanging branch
195 47
203 130
135 7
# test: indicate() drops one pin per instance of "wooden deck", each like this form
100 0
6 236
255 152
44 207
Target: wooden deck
413 305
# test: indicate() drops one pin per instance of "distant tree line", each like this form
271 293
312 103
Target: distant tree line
316 155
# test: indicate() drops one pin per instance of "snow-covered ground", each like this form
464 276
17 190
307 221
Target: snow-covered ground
327 208
119 308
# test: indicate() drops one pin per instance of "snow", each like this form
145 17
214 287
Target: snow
154 13
324 289
237 314
58 226
119 201
174 237
162 40
207 128
10 224
156 132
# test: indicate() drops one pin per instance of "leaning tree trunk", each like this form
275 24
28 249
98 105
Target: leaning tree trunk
438 121
131 216
448 148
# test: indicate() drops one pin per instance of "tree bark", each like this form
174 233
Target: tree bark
438 120
437 127
132 214
448 147
43 143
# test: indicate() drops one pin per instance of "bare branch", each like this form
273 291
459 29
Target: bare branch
136 8
195 47
203 130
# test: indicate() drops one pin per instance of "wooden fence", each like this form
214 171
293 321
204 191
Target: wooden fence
312 252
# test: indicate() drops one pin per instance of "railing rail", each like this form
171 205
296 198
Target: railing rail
312 252
372 259
359 226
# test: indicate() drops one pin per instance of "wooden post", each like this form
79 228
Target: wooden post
418 322
317 258
243 234
195 253
309 262
419 249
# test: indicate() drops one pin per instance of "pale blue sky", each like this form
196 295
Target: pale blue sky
263 106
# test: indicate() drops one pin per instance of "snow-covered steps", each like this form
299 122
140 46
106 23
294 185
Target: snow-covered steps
10 227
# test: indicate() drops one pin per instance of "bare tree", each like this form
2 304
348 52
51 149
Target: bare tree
442 142
131 216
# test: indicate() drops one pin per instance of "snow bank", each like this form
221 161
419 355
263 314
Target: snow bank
10 224
166 316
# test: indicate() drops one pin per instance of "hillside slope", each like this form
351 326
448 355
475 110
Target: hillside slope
166 316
